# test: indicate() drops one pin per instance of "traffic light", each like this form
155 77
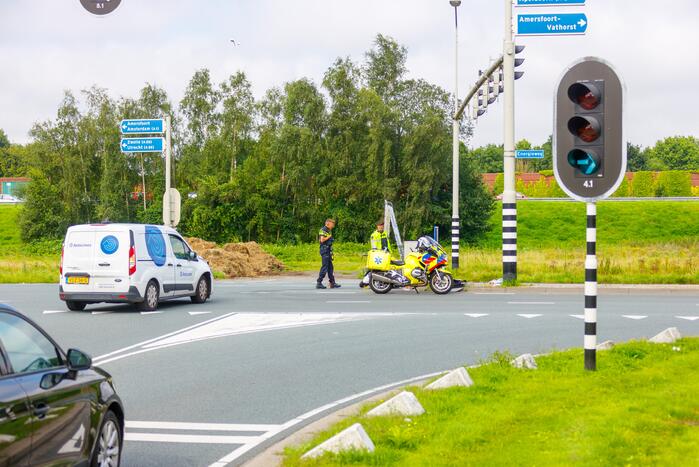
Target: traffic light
519 61
589 149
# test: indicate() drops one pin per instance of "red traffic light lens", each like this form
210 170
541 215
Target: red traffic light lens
586 128
586 95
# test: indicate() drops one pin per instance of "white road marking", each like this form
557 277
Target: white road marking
144 425
529 316
196 313
578 316
636 317
101 312
51 312
236 324
190 439
148 341
531 303
348 301
476 315
688 318
151 312
235 454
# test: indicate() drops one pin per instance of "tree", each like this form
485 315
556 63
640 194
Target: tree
637 158
488 159
675 153
385 66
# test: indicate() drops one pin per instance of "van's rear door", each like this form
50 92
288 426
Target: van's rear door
110 259
77 259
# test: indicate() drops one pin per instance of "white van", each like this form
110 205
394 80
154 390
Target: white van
130 263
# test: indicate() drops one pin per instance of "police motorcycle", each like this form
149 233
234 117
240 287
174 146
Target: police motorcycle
425 266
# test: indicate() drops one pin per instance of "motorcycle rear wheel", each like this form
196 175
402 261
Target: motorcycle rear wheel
379 287
442 285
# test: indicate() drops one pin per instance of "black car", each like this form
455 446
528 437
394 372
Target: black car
56 409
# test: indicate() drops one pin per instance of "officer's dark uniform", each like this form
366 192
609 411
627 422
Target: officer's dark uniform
326 255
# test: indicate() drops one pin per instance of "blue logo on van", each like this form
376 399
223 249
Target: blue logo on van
155 244
109 245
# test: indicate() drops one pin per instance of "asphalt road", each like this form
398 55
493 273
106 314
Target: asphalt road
214 383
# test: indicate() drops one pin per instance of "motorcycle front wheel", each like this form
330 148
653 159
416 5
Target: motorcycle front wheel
378 286
441 283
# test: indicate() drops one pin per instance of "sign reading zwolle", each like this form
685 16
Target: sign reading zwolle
551 24
550 3
142 126
142 145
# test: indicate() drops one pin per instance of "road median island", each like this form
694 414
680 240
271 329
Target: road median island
639 408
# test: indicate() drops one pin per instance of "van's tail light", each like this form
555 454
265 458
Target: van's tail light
132 256
60 265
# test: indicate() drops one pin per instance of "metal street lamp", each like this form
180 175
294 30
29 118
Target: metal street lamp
455 221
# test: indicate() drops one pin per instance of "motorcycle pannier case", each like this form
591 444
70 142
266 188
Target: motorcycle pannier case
379 260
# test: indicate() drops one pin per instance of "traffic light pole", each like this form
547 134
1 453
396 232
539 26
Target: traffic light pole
590 340
455 221
509 198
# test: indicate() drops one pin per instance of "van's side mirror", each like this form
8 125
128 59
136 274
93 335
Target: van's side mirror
193 256
78 360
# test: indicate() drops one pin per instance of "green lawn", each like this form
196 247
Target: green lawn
639 408
638 242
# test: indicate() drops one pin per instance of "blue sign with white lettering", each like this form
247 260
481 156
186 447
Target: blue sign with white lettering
141 126
551 24
530 154
142 145
550 3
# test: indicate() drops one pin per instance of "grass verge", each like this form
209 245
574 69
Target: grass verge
639 408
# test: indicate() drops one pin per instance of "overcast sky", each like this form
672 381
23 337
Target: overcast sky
48 46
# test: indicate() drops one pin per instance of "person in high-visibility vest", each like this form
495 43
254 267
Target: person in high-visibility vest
379 239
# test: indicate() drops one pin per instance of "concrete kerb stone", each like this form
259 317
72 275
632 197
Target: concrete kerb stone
404 403
458 377
352 438
525 361
668 336
606 345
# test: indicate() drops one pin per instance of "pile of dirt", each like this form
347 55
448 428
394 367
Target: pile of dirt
237 259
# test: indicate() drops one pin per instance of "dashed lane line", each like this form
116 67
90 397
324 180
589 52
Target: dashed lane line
688 318
529 316
578 316
476 315
151 312
52 312
635 317
197 313
531 303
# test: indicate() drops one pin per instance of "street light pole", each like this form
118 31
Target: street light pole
509 197
455 221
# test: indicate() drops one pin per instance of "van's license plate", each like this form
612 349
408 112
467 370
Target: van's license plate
77 280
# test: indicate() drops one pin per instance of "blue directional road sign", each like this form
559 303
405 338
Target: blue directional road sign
551 24
141 126
142 145
530 154
550 3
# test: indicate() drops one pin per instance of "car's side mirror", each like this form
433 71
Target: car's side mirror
78 360
193 256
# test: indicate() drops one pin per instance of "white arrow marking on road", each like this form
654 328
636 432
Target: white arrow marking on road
636 317
151 312
529 316
578 316
531 303
475 315
50 312
195 313
688 318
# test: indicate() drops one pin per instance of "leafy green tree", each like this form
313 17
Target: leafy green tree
675 153
488 159
637 158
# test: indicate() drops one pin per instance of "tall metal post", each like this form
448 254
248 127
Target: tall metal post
509 199
590 340
167 213
455 221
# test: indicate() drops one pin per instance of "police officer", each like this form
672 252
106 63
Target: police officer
379 239
325 237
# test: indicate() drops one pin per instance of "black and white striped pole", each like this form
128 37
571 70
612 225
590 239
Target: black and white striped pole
589 158
455 221
590 342
509 240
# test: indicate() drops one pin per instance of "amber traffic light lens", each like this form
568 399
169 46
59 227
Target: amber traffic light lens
587 129
586 96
